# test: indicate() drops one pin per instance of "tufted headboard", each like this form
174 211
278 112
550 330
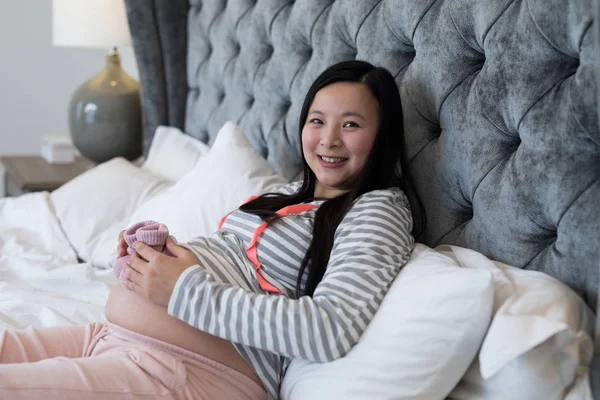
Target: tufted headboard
499 97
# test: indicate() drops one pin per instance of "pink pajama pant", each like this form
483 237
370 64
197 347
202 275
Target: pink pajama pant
104 361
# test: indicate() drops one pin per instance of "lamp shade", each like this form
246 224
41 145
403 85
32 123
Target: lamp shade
90 23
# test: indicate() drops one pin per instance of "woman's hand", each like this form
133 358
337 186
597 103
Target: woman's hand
153 274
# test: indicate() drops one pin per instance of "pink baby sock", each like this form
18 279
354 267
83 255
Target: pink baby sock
149 232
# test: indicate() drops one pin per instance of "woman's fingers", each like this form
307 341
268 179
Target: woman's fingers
138 264
174 248
121 245
135 287
145 252
122 239
133 275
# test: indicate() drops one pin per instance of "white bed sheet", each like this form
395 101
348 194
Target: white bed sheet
41 281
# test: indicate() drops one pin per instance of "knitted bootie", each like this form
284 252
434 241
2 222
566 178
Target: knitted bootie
149 232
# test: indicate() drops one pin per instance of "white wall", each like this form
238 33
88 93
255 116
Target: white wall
36 78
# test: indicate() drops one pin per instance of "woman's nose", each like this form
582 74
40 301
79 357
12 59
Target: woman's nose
330 138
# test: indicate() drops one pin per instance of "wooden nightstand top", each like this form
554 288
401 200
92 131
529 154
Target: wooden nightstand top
33 173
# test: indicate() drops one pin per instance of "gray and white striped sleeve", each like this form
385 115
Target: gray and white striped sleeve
371 244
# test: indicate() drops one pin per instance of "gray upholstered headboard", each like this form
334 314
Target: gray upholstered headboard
499 98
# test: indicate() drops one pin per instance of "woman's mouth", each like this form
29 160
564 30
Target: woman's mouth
331 162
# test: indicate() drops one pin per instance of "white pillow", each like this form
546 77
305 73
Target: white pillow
539 343
221 180
172 153
92 202
421 341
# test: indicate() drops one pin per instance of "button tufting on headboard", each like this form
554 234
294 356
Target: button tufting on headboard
269 51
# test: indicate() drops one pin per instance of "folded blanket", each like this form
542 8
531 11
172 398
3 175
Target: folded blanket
151 233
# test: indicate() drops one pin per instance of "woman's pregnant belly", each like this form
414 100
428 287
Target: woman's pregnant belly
134 312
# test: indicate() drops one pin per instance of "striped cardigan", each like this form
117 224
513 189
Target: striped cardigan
222 296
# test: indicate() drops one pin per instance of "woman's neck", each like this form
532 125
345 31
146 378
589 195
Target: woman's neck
325 193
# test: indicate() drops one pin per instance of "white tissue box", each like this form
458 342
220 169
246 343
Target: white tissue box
58 149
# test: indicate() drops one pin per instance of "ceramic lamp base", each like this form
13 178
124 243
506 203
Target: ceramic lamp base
105 118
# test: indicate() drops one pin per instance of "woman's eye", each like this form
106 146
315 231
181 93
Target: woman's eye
350 124
316 121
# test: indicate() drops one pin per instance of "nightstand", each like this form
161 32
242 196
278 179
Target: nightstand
26 174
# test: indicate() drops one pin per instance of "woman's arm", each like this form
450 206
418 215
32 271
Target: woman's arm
153 274
371 244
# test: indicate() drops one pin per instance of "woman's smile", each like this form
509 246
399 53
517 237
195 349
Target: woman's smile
332 162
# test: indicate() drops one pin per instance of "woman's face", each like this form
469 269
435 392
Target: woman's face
338 135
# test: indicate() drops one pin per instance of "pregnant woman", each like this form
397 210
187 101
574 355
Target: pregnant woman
298 273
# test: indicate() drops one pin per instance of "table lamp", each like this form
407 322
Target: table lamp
104 112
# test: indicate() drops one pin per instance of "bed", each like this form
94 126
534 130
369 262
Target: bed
501 111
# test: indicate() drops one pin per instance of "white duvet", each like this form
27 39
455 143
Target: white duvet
41 281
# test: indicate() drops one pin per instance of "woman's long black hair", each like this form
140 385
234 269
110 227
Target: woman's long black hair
380 170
